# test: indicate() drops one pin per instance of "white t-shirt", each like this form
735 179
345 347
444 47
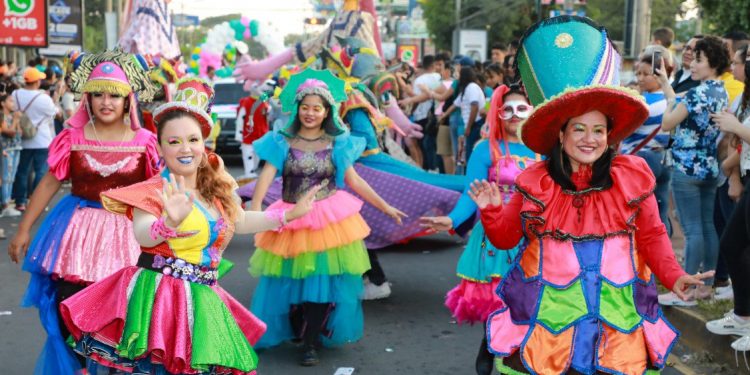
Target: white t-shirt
473 94
68 103
41 113
432 81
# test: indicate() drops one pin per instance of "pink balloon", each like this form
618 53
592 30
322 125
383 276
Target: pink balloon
245 21
246 34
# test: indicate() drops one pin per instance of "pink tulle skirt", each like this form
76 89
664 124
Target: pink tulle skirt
96 244
332 209
472 302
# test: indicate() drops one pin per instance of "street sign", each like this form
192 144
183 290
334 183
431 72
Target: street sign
184 20
408 53
23 23
65 27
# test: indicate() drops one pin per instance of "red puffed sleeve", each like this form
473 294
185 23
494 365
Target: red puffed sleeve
653 244
58 158
152 155
502 224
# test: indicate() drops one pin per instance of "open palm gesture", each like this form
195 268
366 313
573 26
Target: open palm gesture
178 203
484 194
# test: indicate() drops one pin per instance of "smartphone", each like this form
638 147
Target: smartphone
656 60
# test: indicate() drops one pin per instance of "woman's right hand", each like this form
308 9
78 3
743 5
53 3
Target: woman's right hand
484 194
436 223
19 245
178 203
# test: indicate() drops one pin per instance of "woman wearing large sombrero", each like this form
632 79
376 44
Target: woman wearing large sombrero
581 297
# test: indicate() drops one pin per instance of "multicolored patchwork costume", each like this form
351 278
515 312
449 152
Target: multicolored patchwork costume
581 295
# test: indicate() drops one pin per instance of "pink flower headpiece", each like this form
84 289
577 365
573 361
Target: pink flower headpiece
312 83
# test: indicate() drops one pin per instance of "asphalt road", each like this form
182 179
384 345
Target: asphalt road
409 333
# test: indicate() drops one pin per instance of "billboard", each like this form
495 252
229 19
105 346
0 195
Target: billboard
23 23
65 27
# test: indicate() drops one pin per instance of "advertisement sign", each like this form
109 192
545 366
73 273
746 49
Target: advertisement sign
65 27
23 23
472 43
408 53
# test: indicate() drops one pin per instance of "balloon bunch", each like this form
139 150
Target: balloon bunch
225 41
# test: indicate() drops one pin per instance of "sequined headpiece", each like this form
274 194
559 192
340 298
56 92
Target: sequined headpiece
313 82
194 96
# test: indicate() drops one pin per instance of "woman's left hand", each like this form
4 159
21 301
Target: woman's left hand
394 213
685 281
661 75
726 121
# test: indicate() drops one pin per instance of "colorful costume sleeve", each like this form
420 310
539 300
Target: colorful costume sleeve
59 154
346 150
653 243
503 223
143 195
479 163
272 148
152 154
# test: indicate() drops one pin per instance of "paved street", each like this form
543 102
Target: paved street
409 333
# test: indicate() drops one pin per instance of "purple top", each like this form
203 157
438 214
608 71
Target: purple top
305 169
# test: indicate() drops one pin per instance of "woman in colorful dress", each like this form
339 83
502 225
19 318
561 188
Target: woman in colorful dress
79 242
581 295
311 273
168 314
481 265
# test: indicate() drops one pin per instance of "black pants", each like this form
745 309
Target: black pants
66 290
308 322
375 273
734 248
723 208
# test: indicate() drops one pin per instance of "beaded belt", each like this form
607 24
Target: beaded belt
178 268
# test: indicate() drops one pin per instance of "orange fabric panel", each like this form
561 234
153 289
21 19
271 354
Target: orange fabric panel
624 352
290 243
548 353
530 259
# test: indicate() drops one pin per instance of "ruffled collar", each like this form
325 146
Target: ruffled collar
588 213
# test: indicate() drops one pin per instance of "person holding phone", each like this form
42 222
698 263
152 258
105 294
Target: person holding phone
696 169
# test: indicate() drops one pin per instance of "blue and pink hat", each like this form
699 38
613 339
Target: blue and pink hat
569 67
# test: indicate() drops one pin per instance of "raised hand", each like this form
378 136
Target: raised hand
178 203
436 223
304 204
685 281
726 121
484 194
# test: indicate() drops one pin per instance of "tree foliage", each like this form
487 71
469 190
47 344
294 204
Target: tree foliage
506 20
722 16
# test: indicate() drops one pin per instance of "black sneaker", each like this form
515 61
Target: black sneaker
309 358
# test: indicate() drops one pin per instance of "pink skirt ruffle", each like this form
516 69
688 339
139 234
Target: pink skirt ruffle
332 209
101 309
472 302
96 244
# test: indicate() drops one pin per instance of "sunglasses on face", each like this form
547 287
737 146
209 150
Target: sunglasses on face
516 108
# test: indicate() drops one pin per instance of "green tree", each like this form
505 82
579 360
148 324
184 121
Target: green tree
722 16
93 29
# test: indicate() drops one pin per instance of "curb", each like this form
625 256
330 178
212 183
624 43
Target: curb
695 336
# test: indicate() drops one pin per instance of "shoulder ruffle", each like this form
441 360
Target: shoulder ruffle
143 195
273 148
548 210
346 150
59 153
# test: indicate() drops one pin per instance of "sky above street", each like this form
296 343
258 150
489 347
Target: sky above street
287 16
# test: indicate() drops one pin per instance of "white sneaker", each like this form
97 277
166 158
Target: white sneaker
730 324
373 291
724 293
671 299
11 212
742 344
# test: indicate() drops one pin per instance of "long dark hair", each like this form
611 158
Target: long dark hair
560 169
745 94
466 76
329 127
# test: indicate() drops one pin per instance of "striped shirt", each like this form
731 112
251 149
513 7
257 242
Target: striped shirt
657 104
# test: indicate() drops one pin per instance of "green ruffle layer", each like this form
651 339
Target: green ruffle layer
349 259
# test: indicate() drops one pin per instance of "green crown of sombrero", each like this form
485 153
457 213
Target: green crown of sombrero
569 67
133 66
313 82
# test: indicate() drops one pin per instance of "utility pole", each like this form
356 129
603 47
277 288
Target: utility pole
110 24
637 26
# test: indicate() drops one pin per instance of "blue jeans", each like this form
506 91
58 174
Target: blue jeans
695 208
663 176
10 166
456 123
33 157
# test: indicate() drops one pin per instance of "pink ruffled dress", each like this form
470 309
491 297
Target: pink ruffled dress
86 243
